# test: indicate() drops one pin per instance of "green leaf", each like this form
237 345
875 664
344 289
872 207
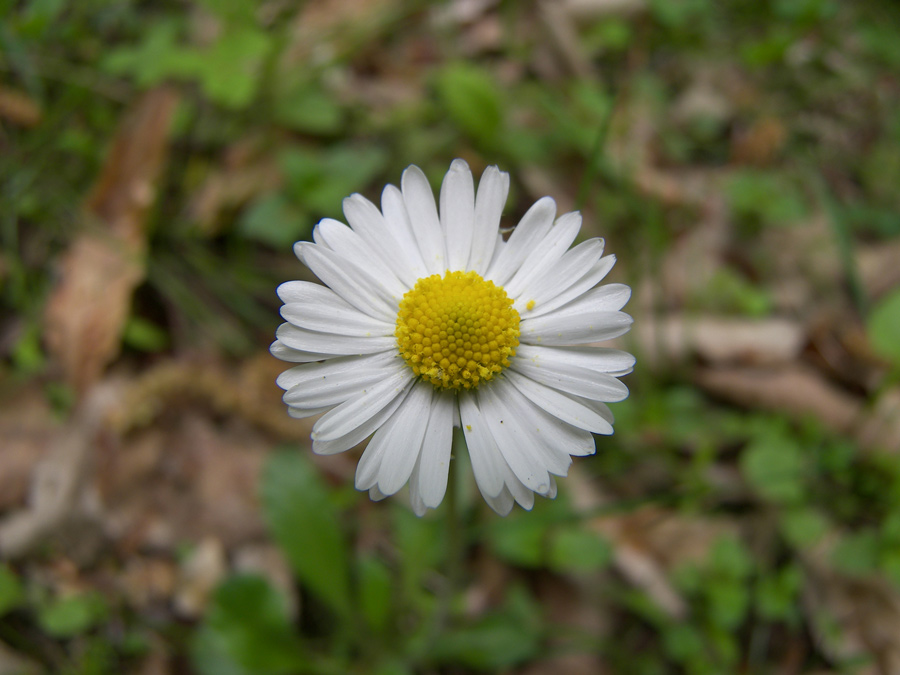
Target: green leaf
144 335
229 71
856 554
72 616
309 109
766 196
306 526
803 527
577 550
274 221
248 621
884 327
730 558
472 99
319 181
12 594
776 596
773 464
376 592
728 600
498 641
520 540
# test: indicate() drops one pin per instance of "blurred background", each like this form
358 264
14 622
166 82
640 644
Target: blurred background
159 512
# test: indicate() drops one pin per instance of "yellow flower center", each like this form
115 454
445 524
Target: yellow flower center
458 330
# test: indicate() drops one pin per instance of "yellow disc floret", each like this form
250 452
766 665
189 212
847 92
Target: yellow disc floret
458 330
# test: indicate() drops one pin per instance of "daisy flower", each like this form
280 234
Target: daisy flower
430 320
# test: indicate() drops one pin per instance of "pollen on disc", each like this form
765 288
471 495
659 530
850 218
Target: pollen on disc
458 330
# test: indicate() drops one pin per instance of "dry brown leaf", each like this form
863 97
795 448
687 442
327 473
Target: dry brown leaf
560 27
760 143
719 340
199 574
866 612
878 268
13 663
86 312
880 430
27 430
794 390
19 108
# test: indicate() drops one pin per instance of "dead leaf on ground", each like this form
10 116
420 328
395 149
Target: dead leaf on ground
28 431
853 618
87 310
19 108
669 340
878 268
795 390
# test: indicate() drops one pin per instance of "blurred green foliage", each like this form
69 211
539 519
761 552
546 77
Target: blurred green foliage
246 103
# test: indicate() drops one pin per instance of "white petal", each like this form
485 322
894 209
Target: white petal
599 359
301 413
517 448
349 415
608 298
376 495
332 382
334 318
365 218
574 328
551 439
353 284
397 220
303 291
330 343
352 248
566 408
493 189
531 229
570 269
420 206
547 253
558 297
281 351
415 495
574 380
487 462
501 503
359 434
434 461
458 213
391 455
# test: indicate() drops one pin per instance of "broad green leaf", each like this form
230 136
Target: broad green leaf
72 616
12 594
576 550
520 540
802 526
729 600
144 335
319 181
274 221
774 466
248 621
777 593
229 71
376 592
472 99
497 642
884 327
857 553
306 526
310 110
